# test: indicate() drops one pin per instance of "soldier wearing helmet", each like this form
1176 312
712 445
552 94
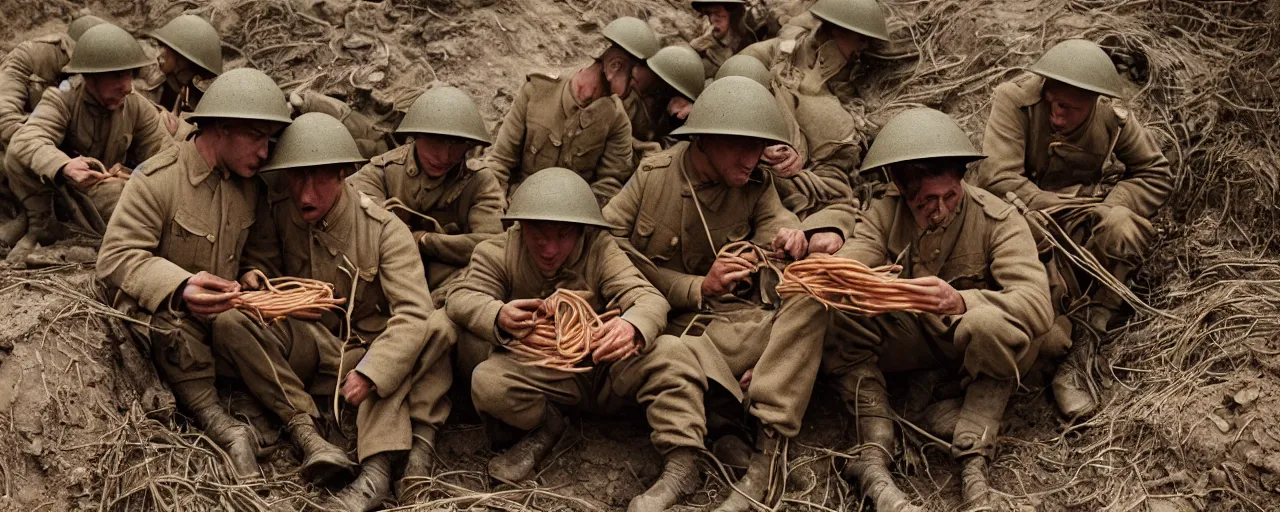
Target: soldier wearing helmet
576 120
731 26
171 253
1050 139
449 207
99 118
975 258
677 213
190 56
561 241
663 91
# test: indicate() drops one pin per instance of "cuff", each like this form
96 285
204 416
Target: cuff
169 280
686 293
487 321
974 299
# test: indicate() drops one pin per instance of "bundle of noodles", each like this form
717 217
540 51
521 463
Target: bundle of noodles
562 338
285 296
851 286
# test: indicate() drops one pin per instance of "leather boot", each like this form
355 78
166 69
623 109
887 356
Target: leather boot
973 482
761 471
422 458
1071 390
679 479
976 432
870 467
321 460
517 464
236 437
370 489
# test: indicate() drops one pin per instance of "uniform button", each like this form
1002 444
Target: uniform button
936 252
555 143
210 238
675 240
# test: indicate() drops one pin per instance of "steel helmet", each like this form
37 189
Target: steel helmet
918 134
681 68
193 38
314 139
633 35
736 105
556 194
445 111
744 65
243 93
105 48
862 16
1080 63
76 28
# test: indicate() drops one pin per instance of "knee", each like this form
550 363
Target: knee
232 328
993 341
1120 233
489 390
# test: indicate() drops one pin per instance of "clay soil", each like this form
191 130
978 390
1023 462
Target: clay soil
1190 393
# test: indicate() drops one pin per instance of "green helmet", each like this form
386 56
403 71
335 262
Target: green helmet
1080 63
314 139
862 16
243 93
105 48
744 65
556 194
736 105
681 68
76 28
633 35
193 38
918 134
445 111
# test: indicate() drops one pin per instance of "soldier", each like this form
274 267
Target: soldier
98 118
395 367
730 28
448 207
685 204
372 138
975 258
172 252
665 89
190 56
1048 140
576 119
562 242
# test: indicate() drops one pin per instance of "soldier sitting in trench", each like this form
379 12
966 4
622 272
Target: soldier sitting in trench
190 57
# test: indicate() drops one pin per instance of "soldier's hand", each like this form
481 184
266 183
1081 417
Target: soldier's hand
170 121
940 297
725 272
745 382
81 173
826 242
207 295
614 340
1099 211
251 280
790 242
679 107
784 159
356 387
642 147
518 317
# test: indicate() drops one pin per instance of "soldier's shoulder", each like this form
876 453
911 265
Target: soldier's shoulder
371 208
1119 113
659 160
397 156
166 159
1023 91
543 77
992 206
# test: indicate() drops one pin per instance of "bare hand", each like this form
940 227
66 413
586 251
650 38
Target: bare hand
207 295
252 280
81 173
356 387
784 159
745 381
518 318
726 271
940 298
679 106
826 242
170 121
790 242
641 147
614 340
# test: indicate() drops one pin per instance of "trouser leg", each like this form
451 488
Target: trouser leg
667 381
261 356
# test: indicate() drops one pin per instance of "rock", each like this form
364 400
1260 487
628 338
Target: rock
1223 425
1246 396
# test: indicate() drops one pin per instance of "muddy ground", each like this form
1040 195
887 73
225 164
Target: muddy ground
1191 393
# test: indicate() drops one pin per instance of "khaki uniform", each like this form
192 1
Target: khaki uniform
176 217
659 222
663 375
1045 170
465 208
171 98
25 72
715 51
987 253
372 139
648 116
70 122
547 128
399 343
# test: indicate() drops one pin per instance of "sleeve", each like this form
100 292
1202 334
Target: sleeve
262 249
13 92
763 51
1021 286
504 154
1148 180
616 164
869 244
624 285
127 259
1004 143
484 217
371 181
35 145
393 353
475 302
771 216
150 136
835 195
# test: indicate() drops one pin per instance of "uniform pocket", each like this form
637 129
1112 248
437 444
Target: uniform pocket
967 272
191 241
656 242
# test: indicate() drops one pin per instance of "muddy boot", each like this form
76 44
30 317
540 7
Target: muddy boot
321 460
1071 384
370 489
236 437
421 461
976 432
679 479
973 481
516 464
1099 316
760 472
732 451
940 417
870 467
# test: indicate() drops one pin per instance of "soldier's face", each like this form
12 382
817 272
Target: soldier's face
720 19
617 65
733 158
243 146
933 201
110 89
1069 106
643 79
850 43
437 154
314 190
550 243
